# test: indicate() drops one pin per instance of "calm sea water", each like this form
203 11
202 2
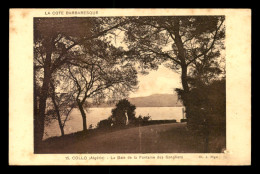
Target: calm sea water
94 115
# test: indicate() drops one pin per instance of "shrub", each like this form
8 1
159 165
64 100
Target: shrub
142 119
118 113
105 124
206 103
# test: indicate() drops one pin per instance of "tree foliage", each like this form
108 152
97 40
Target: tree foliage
58 43
185 44
78 58
118 113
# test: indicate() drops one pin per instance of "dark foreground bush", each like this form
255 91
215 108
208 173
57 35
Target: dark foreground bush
105 124
139 121
123 114
183 120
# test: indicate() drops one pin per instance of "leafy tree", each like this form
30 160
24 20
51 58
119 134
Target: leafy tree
63 104
56 43
118 113
100 73
208 104
207 90
178 41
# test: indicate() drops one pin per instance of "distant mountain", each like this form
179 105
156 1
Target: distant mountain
155 100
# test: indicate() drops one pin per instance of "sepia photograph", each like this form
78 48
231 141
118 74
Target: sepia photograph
128 84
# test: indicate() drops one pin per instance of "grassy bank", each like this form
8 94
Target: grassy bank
159 138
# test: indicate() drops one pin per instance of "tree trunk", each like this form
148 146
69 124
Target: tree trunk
184 78
39 127
57 110
181 55
84 119
186 92
35 110
58 116
184 67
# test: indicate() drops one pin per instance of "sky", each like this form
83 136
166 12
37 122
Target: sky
162 81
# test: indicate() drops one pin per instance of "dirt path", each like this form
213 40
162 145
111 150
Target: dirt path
162 138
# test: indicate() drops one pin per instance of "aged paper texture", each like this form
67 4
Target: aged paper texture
236 44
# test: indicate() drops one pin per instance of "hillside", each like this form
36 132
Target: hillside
155 100
159 138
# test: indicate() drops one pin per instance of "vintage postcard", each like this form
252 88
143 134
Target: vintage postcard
130 87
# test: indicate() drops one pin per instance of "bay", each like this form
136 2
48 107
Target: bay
94 115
